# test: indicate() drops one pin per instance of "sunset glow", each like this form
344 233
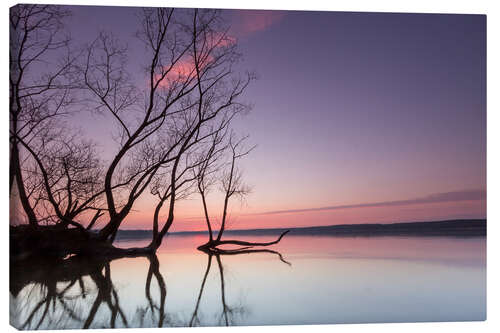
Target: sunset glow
348 129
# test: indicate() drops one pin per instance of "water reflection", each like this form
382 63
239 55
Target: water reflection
54 294
332 280
59 290
229 314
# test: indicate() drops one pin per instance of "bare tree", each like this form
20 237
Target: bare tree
71 174
192 85
182 178
206 172
162 127
233 186
37 97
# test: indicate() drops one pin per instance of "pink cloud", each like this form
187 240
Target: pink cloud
184 69
247 22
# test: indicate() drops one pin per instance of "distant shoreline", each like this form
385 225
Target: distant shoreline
451 228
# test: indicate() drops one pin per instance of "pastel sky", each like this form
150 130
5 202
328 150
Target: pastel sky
358 117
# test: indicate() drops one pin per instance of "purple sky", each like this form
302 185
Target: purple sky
350 109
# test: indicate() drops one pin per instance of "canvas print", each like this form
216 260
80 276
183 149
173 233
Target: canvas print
206 167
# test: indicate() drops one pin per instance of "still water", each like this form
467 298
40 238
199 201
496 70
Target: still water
308 280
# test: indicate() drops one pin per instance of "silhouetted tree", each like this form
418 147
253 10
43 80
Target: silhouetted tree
232 185
39 86
170 131
192 92
192 86
70 175
57 174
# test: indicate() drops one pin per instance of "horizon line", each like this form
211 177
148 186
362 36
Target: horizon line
327 225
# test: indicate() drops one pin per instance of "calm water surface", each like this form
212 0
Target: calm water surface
318 280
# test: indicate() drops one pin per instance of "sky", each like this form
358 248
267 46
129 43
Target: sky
357 117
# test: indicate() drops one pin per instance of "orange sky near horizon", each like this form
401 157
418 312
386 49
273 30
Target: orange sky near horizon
188 218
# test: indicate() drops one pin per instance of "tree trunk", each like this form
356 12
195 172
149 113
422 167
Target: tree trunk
23 197
207 218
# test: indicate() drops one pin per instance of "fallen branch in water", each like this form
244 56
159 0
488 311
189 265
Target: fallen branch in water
212 247
244 243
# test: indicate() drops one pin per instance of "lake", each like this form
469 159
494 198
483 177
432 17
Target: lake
307 280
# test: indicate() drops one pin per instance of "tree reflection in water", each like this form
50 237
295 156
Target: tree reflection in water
229 313
75 293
